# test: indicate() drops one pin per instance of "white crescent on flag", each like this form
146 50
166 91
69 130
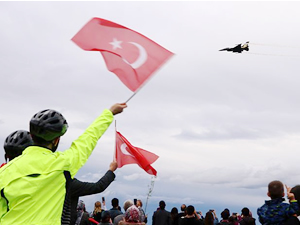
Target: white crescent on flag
123 149
142 56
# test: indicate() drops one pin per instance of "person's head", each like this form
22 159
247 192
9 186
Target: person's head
245 211
115 202
132 214
275 189
139 203
183 207
81 206
106 217
225 214
174 211
209 218
127 204
162 204
232 219
190 210
46 127
15 144
97 207
296 191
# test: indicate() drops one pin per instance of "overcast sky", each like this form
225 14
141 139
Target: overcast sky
223 124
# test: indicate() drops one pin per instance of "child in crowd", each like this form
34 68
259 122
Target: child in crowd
275 211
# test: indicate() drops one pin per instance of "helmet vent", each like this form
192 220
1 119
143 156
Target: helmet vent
54 121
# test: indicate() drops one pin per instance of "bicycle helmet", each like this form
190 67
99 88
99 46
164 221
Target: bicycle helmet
48 124
16 142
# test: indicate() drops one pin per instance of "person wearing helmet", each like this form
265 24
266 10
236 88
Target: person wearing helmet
15 143
33 186
19 140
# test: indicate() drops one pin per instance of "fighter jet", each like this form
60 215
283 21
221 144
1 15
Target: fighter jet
238 49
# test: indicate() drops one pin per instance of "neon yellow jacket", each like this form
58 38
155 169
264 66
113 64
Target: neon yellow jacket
33 184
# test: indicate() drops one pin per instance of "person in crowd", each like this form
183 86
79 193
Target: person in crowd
132 217
247 219
295 219
161 216
233 219
82 214
199 215
78 188
139 205
120 217
96 214
174 216
216 220
44 180
190 217
225 216
275 210
183 211
15 143
209 218
115 210
106 218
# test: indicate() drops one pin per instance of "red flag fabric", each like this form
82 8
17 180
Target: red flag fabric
130 55
93 220
128 154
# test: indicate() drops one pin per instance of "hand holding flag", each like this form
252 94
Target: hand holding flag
130 55
128 154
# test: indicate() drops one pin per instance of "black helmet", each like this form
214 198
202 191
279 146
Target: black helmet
48 125
16 142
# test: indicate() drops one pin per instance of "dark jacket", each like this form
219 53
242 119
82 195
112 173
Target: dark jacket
161 217
247 220
293 220
75 189
114 212
85 219
97 216
190 221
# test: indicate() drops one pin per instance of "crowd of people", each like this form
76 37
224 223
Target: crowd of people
274 211
38 186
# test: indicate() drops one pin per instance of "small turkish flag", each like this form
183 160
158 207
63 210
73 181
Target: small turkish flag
128 154
130 55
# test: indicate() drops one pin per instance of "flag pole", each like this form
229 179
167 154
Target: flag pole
114 157
142 85
135 92
138 89
150 191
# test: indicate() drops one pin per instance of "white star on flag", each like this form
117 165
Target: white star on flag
116 44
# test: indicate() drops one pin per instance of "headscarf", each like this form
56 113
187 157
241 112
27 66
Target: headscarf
132 214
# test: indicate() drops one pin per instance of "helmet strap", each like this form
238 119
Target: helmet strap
55 143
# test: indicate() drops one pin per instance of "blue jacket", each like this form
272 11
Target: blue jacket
275 211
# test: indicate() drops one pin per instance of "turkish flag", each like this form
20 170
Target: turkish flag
130 55
128 154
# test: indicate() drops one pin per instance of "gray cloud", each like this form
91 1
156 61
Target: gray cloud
220 122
